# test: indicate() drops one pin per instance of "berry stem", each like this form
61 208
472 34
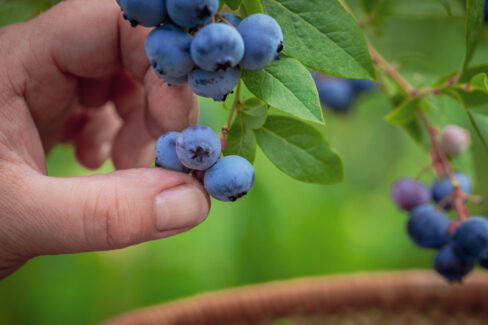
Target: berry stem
440 161
225 20
235 106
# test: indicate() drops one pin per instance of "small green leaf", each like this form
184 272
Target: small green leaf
405 113
241 141
474 27
446 6
233 4
288 86
252 102
253 6
299 150
472 94
323 36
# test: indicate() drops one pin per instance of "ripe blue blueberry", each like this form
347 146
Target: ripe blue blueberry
215 85
192 13
443 188
231 178
485 10
360 86
484 261
450 266
173 81
168 50
231 18
470 240
148 13
427 227
217 47
166 156
263 41
335 93
198 147
409 194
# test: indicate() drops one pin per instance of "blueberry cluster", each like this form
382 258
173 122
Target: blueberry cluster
197 149
185 47
460 244
339 94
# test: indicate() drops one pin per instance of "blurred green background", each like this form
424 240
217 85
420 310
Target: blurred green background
284 228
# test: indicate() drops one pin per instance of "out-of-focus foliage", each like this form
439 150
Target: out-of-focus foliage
284 228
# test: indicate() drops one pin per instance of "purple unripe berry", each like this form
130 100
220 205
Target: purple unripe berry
409 194
470 240
231 178
427 227
198 147
450 266
166 156
455 140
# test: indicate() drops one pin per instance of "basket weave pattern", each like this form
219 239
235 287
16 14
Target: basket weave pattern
413 298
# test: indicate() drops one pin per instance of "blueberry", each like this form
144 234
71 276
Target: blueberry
192 13
217 47
485 10
455 140
443 188
166 156
263 41
360 86
409 194
198 147
427 227
214 84
484 261
231 18
174 81
470 240
231 178
450 266
336 94
148 13
168 50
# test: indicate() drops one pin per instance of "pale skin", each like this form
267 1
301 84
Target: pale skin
78 73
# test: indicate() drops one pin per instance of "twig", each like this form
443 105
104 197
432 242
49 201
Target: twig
237 103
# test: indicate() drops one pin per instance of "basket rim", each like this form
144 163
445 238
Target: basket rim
419 289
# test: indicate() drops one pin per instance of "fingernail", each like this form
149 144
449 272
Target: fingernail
184 206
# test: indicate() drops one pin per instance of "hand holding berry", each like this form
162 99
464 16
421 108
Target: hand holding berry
57 74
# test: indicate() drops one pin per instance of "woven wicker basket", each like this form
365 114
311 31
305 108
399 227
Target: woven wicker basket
413 298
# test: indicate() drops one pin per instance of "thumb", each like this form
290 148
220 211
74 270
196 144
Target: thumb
112 211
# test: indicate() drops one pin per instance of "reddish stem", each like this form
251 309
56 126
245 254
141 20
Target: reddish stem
443 168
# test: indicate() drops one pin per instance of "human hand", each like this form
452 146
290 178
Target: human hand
57 74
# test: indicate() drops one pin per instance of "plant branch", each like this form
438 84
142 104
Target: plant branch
235 107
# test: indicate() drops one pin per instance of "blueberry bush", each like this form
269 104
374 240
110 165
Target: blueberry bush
323 59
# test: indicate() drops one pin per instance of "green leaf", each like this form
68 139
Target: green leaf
288 86
474 27
299 150
241 141
233 4
323 36
253 6
254 117
405 113
480 124
472 94
446 6
416 130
